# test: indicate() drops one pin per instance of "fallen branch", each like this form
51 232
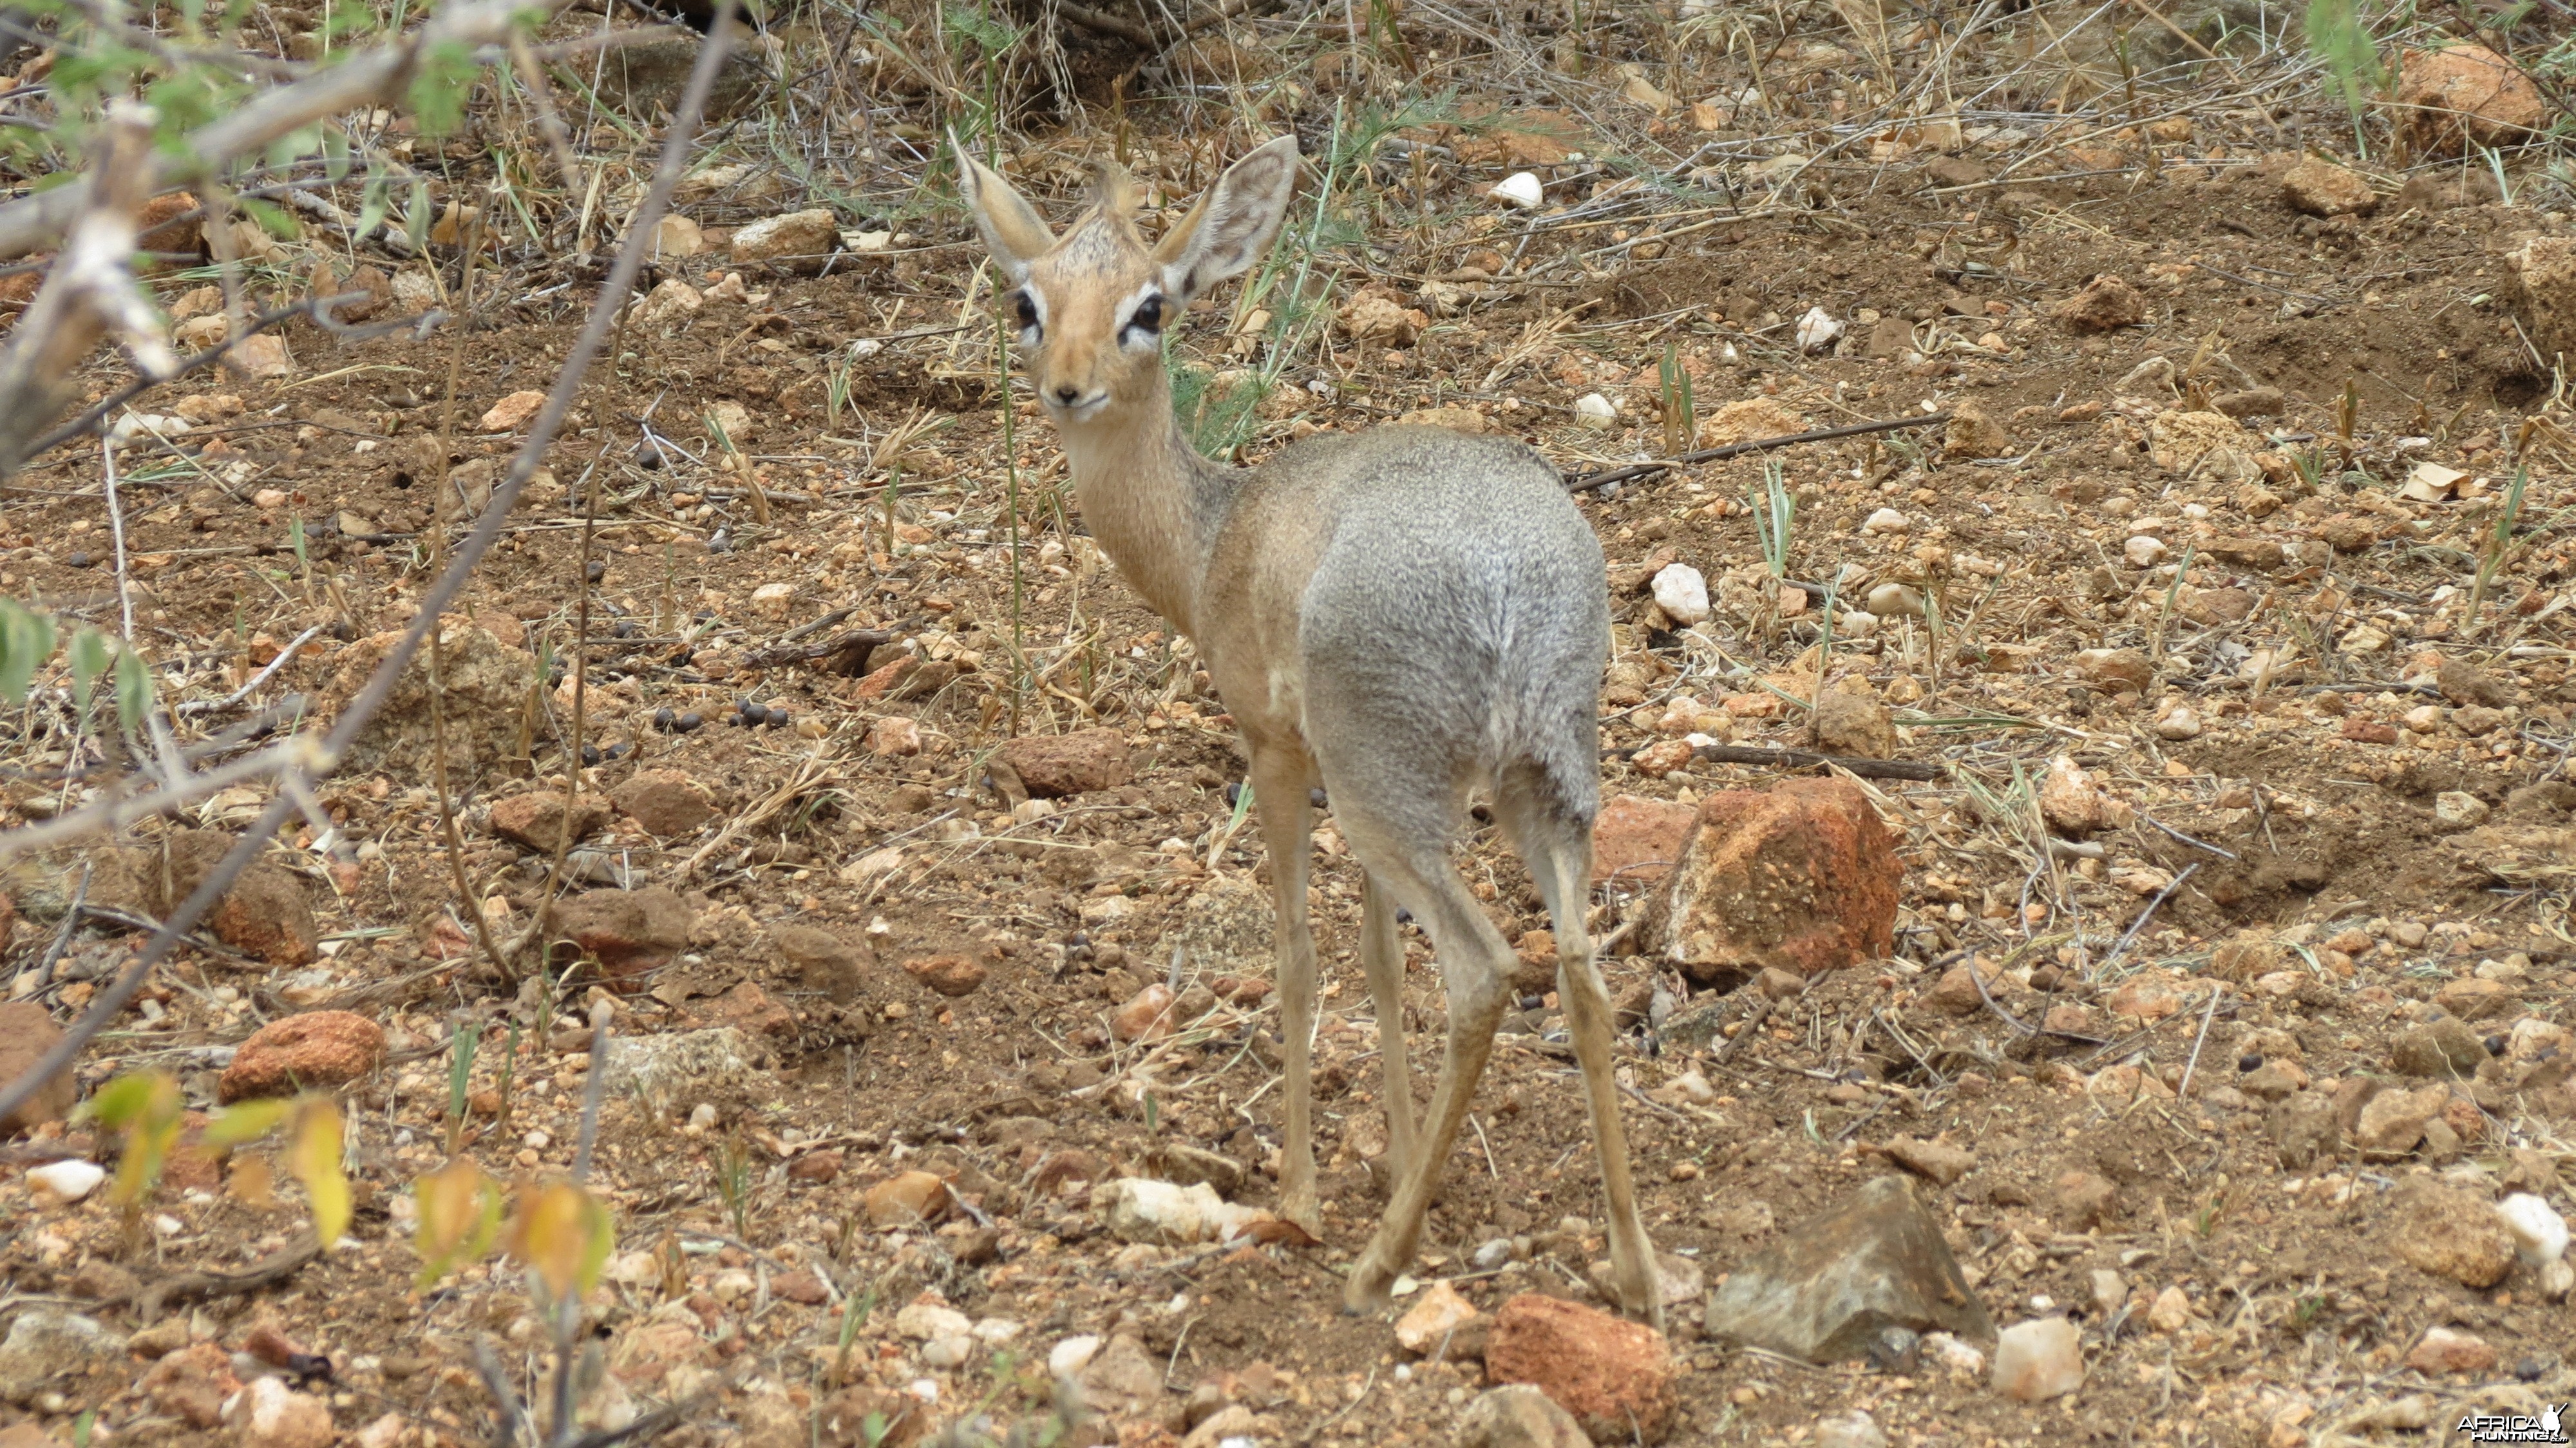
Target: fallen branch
856 643
1802 759
268 1271
1634 471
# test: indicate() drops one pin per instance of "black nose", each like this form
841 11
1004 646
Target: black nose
1067 395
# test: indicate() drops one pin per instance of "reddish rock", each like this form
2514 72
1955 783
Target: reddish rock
2085 1200
1057 1168
157 227
950 975
1055 765
894 736
816 1166
1663 757
2464 684
801 1286
748 1009
2465 93
824 961
2473 999
2107 302
913 1199
665 802
264 914
2445 1231
1616 1377
317 1049
1802 877
269 1343
2369 731
629 931
1148 1015
882 684
536 820
2448 1350
1636 840
27 1032
1956 992
192 1383
1854 726
2322 188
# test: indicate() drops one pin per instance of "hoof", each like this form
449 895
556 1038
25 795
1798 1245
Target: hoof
1369 1290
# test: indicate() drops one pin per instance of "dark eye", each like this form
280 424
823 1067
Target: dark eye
1148 315
1026 309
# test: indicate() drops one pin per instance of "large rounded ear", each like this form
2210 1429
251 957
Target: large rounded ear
1233 223
1013 231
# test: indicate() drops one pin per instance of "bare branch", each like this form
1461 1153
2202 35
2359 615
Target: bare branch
323 756
90 293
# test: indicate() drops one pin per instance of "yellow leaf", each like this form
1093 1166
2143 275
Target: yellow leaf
313 1154
564 1235
460 1213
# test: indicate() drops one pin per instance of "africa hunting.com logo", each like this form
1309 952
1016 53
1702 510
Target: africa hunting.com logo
2516 1427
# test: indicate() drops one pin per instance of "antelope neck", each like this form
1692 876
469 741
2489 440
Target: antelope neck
1152 502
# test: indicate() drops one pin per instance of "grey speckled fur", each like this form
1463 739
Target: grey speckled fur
1456 624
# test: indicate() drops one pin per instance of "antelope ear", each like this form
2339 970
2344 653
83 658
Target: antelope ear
1013 231
1233 223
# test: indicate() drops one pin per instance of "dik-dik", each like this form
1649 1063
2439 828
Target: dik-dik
1406 615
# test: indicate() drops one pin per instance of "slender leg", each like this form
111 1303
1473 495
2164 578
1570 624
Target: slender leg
1382 956
1560 862
1476 968
1281 777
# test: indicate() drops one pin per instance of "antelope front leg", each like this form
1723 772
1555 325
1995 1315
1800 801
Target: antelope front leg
1280 779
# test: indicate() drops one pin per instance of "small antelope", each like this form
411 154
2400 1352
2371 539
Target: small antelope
1403 615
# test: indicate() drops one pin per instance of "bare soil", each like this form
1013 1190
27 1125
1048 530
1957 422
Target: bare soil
2275 818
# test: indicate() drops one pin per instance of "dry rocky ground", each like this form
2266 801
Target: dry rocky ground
2202 988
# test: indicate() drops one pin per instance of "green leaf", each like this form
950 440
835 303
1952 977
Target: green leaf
147 1107
441 86
26 641
89 660
335 154
373 204
416 220
133 688
271 217
2338 36
295 539
122 1101
247 1121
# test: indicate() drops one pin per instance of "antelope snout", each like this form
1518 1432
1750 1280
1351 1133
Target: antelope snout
1073 400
